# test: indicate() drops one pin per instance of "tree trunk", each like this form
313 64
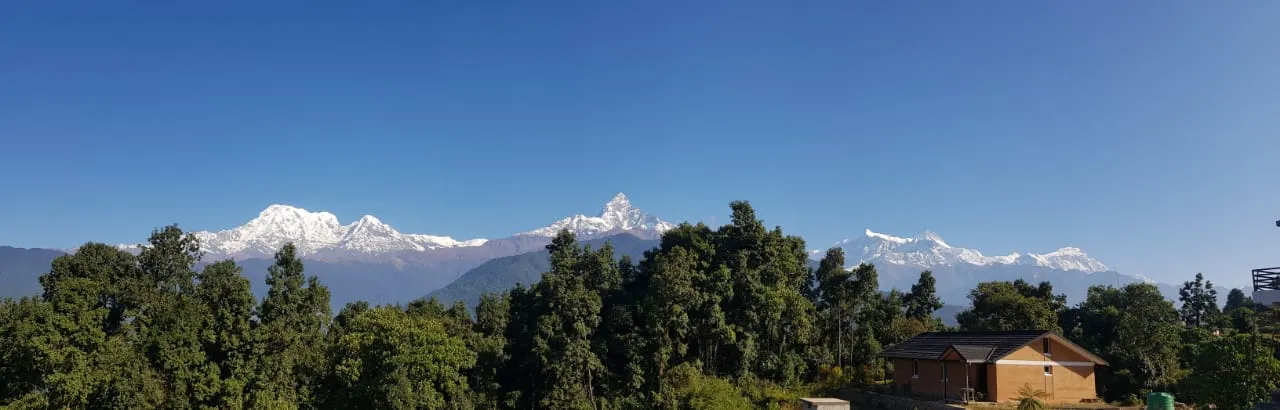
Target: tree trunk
840 344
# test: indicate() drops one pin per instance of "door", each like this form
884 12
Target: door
981 386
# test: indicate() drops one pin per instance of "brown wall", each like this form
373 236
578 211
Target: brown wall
1072 379
1033 351
1067 384
929 383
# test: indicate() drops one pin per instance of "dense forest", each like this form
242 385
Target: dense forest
730 317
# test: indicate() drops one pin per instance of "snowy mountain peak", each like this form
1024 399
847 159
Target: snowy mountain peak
929 249
315 232
282 215
883 237
932 237
1068 258
619 203
617 216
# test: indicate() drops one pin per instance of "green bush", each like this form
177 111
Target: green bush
685 387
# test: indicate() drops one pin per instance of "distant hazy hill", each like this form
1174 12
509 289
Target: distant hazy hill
20 270
500 274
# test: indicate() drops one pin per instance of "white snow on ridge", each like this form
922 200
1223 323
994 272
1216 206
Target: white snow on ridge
928 249
314 232
617 215
321 232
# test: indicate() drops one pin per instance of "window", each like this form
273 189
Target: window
915 368
1048 370
1046 347
944 371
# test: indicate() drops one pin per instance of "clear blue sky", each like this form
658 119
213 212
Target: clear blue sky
1144 132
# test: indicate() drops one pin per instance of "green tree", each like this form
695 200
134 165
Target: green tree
394 360
690 389
294 317
923 299
835 301
30 350
490 327
1199 302
771 317
1244 320
564 331
228 344
77 346
1232 372
1136 330
1002 306
1236 299
626 339
85 309
173 322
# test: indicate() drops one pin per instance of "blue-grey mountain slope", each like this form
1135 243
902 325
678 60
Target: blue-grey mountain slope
501 274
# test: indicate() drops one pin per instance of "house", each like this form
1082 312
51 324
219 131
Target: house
995 365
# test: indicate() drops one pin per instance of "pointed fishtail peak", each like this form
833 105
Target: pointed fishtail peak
618 215
619 204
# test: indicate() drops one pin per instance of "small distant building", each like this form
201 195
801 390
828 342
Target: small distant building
994 366
814 403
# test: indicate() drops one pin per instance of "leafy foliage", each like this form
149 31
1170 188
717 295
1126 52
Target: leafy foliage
1233 372
388 358
1030 398
725 317
923 299
1199 302
1120 325
1013 305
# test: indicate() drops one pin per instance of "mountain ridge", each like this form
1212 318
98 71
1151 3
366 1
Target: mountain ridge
369 259
320 235
929 250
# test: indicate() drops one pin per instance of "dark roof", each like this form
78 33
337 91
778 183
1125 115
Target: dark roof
930 346
974 354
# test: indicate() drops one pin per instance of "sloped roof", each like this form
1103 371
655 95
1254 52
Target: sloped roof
930 346
974 354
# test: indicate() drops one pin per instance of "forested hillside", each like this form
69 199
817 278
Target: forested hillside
722 318
500 274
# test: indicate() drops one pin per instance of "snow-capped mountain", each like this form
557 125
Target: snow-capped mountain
929 250
617 216
320 234
315 232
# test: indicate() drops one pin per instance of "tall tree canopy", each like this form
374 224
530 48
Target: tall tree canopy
293 320
1233 372
390 359
1136 330
1236 299
1199 302
724 317
923 299
1012 306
